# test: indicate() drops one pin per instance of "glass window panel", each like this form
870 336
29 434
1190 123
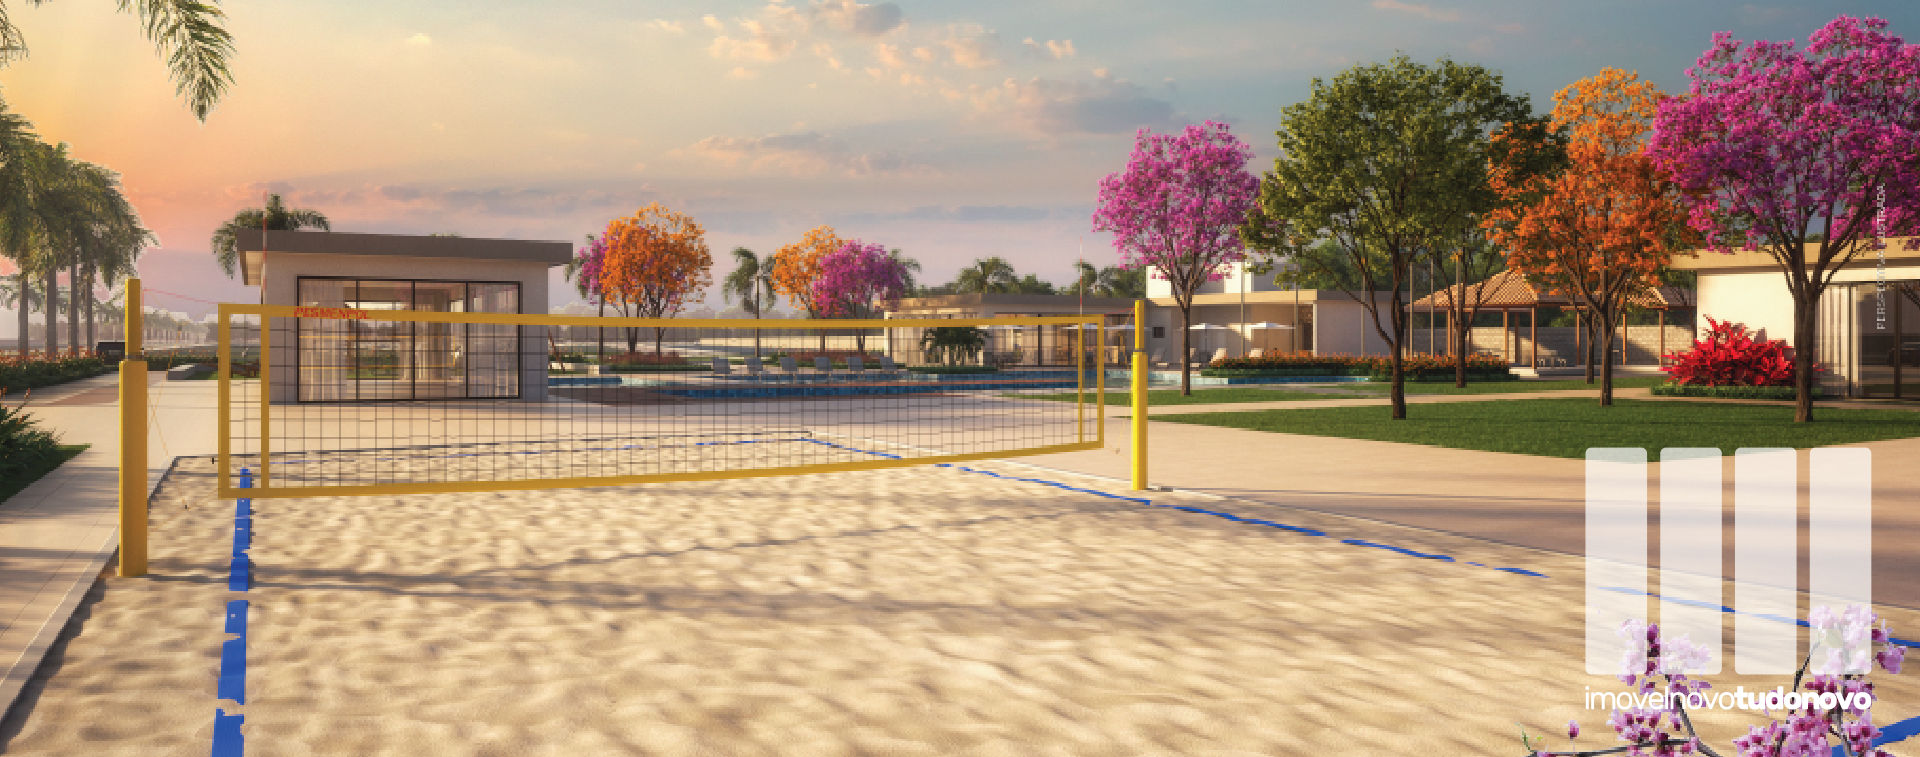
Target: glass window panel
325 347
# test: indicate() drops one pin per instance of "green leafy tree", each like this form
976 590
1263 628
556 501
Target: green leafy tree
275 216
1377 161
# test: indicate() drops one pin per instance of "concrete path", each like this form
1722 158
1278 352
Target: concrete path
60 534
1522 500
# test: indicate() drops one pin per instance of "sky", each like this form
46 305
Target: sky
952 131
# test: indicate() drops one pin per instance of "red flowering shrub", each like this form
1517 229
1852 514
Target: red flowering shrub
1729 356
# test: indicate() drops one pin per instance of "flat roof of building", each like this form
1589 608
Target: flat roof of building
999 300
1741 261
254 243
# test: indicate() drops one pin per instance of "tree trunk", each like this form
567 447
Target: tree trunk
1585 324
1460 324
52 289
1396 352
1805 321
756 335
633 340
659 335
26 297
1186 351
92 332
1605 320
73 308
600 337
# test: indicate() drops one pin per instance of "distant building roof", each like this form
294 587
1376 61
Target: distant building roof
254 243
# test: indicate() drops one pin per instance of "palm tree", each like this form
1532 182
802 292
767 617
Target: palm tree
187 33
274 217
952 344
751 281
986 276
909 269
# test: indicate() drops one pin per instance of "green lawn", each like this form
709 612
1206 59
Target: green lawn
1200 396
1206 396
1497 387
1567 427
13 485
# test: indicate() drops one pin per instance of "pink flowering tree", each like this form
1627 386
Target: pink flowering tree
1811 155
1177 209
855 278
1827 713
584 271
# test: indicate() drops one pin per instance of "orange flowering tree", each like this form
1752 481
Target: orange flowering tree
797 266
1598 231
655 260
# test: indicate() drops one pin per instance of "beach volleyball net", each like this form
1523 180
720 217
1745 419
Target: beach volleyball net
370 397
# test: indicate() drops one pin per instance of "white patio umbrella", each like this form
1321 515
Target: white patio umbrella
1268 325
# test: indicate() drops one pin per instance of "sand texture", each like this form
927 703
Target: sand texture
915 611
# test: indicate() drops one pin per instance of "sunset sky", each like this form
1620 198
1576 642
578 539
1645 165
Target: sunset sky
949 130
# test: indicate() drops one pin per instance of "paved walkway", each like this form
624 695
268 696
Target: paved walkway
59 534
1523 500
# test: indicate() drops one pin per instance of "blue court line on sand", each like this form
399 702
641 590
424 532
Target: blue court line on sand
1184 508
228 741
1908 643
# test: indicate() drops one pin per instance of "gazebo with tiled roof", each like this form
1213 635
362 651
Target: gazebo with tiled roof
1509 291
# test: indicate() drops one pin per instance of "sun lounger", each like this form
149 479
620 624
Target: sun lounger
756 368
888 367
823 366
1256 354
855 366
1218 355
721 367
788 367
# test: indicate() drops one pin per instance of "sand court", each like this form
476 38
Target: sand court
928 610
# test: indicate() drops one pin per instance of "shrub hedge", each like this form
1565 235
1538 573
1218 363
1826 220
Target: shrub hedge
16 374
26 450
1414 368
1730 392
953 369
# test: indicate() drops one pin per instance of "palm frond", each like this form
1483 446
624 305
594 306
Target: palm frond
191 36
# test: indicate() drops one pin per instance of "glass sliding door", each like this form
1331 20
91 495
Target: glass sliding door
439 348
493 364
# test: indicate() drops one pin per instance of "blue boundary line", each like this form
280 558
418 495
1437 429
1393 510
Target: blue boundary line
1303 530
228 741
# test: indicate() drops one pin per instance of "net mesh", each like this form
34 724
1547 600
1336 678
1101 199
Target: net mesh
329 400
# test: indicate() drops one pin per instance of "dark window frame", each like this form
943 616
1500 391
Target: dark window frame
413 394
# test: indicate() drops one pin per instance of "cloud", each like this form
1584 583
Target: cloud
1102 106
419 40
962 214
923 54
742 72
1418 9
1057 49
713 23
858 18
770 39
1511 28
889 55
807 153
670 27
972 46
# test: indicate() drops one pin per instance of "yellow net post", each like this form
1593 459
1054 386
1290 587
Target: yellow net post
133 443
1080 380
1139 379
